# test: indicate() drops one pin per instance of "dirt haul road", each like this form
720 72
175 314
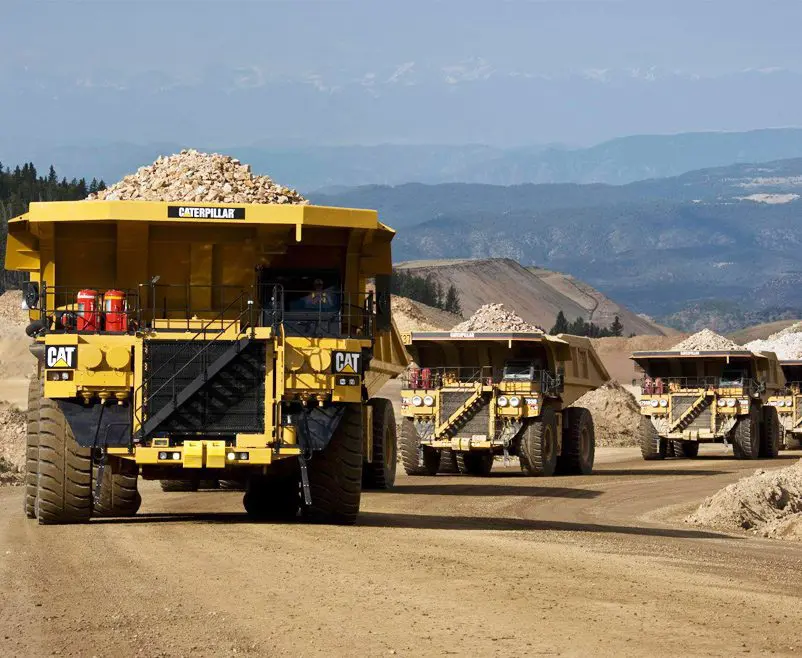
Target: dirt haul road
503 566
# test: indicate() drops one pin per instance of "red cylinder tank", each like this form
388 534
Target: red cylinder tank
88 315
114 308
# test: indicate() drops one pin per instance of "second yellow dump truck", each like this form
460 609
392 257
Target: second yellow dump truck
694 397
471 396
189 342
788 403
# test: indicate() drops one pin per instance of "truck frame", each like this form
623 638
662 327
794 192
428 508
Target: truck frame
694 397
471 396
247 346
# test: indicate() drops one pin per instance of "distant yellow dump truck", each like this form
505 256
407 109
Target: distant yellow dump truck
201 342
694 397
788 403
471 396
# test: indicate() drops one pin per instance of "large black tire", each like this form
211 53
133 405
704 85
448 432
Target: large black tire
449 462
179 485
539 445
32 447
791 441
652 446
380 472
409 452
64 491
579 443
335 474
272 498
118 491
770 434
475 463
746 436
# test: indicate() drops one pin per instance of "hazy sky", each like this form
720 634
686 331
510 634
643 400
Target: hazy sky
344 38
348 71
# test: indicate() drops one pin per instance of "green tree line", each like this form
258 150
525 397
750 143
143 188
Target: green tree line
426 290
23 184
580 327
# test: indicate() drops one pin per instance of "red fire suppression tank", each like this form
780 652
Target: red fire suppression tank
88 316
115 310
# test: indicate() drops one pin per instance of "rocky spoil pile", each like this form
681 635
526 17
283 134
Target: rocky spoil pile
12 317
12 444
616 414
191 176
787 344
494 317
767 503
705 341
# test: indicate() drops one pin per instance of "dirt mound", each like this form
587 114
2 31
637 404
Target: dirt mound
494 317
410 315
787 344
706 340
768 503
199 177
12 317
615 412
12 443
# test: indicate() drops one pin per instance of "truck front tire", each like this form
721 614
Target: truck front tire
770 436
652 446
379 473
409 452
539 446
32 447
746 436
579 443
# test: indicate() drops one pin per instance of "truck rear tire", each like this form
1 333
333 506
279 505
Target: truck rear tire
32 447
179 485
538 451
64 490
380 472
475 463
409 452
335 473
770 436
449 462
792 441
272 498
118 491
687 449
233 485
746 436
652 446
579 443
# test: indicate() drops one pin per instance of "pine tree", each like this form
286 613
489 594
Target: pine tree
560 325
452 304
616 328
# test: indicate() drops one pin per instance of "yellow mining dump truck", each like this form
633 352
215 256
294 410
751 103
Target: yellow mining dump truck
471 396
690 397
201 342
789 404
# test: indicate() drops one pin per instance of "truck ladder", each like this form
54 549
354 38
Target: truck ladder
693 412
463 414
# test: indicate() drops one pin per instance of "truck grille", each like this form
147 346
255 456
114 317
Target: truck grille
681 403
231 402
478 423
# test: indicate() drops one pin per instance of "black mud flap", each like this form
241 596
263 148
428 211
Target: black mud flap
115 423
317 426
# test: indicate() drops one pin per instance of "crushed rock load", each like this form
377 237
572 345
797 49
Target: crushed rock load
706 341
787 344
12 444
616 414
769 503
199 177
494 317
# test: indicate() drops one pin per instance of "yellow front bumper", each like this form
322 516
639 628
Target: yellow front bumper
203 454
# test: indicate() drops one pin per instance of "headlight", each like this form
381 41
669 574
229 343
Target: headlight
503 401
417 400
654 403
744 403
789 403
722 402
730 403
428 401
515 402
663 403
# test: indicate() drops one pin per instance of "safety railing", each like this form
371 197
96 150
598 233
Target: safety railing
666 385
320 313
434 378
88 309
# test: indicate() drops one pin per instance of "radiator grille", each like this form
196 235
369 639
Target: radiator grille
231 402
477 423
681 403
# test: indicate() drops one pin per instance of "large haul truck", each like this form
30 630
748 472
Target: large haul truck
788 403
472 396
694 397
189 342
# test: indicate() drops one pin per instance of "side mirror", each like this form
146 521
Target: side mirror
561 379
30 294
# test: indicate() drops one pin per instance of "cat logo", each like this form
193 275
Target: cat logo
347 362
61 356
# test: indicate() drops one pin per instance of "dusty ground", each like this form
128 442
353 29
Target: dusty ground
503 566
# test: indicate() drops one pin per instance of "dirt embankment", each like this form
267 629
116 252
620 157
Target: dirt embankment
767 503
16 366
615 412
410 315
